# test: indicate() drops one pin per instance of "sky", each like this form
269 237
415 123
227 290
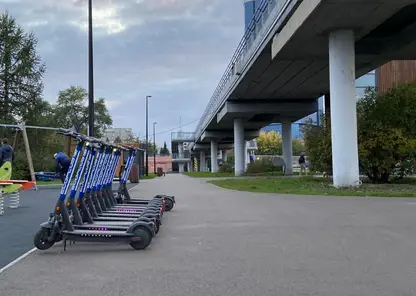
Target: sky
174 50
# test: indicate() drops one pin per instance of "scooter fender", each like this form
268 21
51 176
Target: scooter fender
146 219
151 212
171 198
152 209
46 225
148 225
152 216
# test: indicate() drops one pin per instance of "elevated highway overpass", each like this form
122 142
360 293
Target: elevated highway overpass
295 51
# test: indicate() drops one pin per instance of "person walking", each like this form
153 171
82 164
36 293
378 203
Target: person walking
63 162
6 152
302 163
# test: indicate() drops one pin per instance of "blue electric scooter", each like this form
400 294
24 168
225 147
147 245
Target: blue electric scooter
60 224
84 217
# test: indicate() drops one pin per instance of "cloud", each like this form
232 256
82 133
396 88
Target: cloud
175 50
111 104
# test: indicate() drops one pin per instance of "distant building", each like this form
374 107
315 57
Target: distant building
181 153
111 134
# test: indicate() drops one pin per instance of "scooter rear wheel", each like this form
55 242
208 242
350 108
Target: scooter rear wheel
41 239
168 204
142 238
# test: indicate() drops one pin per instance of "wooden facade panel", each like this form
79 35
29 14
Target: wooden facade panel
394 73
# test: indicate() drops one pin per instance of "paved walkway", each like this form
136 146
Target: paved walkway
18 226
219 242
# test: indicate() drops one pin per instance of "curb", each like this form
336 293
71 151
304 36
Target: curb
52 186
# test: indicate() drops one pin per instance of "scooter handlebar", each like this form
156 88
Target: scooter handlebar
78 136
97 143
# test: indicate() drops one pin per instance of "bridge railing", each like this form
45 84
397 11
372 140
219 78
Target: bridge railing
183 137
183 155
258 29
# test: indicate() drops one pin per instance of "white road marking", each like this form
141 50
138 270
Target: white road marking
17 260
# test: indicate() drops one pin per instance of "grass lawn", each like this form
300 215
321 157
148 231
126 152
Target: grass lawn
318 186
221 175
208 175
54 182
151 176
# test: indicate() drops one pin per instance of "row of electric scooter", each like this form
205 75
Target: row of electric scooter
92 211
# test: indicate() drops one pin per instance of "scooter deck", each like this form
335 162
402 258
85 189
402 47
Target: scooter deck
121 219
127 206
105 227
111 223
98 236
121 215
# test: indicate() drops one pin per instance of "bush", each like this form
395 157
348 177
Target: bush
226 168
382 152
20 169
386 133
262 166
318 147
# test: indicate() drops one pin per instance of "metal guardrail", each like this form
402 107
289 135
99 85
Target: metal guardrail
183 136
263 19
183 155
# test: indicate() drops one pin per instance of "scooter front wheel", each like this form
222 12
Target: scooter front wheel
41 241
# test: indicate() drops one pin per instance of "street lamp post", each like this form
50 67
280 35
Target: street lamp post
147 135
90 73
154 147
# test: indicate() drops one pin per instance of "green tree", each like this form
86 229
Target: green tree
386 135
21 86
152 147
298 146
71 110
269 143
318 146
387 132
21 71
164 150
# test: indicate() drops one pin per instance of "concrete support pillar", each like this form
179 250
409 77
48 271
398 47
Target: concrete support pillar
343 108
181 168
180 151
214 156
239 147
287 146
202 164
327 109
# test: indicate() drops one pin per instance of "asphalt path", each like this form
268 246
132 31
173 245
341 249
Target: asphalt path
229 243
18 226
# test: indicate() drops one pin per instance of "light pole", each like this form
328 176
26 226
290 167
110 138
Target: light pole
147 135
154 147
90 73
